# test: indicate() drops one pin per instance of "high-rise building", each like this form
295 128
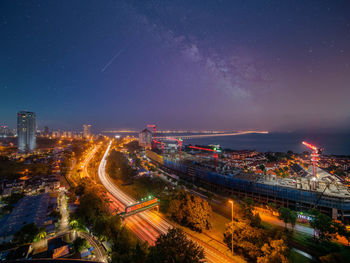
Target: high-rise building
4 131
26 131
86 131
145 138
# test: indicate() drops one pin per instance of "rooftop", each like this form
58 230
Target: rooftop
30 209
328 184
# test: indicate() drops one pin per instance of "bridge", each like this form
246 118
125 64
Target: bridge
139 207
194 136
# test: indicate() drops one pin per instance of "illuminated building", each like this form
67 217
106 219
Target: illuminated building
4 131
26 131
145 138
331 197
86 130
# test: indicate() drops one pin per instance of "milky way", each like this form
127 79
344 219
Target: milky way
272 65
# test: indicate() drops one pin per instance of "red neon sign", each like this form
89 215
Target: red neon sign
204 149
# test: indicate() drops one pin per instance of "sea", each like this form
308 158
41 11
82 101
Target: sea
332 144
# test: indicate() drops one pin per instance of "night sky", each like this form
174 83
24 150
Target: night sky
224 65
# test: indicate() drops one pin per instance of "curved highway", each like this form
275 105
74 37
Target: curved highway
147 225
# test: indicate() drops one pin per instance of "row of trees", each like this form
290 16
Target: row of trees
133 147
118 167
251 240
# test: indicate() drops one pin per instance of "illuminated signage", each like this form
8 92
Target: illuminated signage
305 217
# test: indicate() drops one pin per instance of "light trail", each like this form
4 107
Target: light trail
148 225
88 159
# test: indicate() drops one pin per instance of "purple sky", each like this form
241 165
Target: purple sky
272 65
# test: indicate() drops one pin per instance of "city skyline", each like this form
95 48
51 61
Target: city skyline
163 131
225 65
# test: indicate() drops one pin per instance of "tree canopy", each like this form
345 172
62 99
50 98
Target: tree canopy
26 234
79 244
322 224
118 168
190 210
273 252
175 247
288 216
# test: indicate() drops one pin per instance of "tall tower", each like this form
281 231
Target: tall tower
86 131
26 131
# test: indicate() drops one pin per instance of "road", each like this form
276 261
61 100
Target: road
87 160
274 220
147 225
64 222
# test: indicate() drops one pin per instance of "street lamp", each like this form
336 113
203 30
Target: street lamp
231 202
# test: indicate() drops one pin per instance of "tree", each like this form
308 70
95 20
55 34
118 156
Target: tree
322 225
91 206
100 226
175 247
331 258
123 246
272 207
284 215
41 235
247 240
133 146
140 253
118 167
190 210
80 244
247 212
112 227
341 230
274 252
293 216
26 234
76 223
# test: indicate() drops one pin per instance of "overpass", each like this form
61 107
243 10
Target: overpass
148 203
